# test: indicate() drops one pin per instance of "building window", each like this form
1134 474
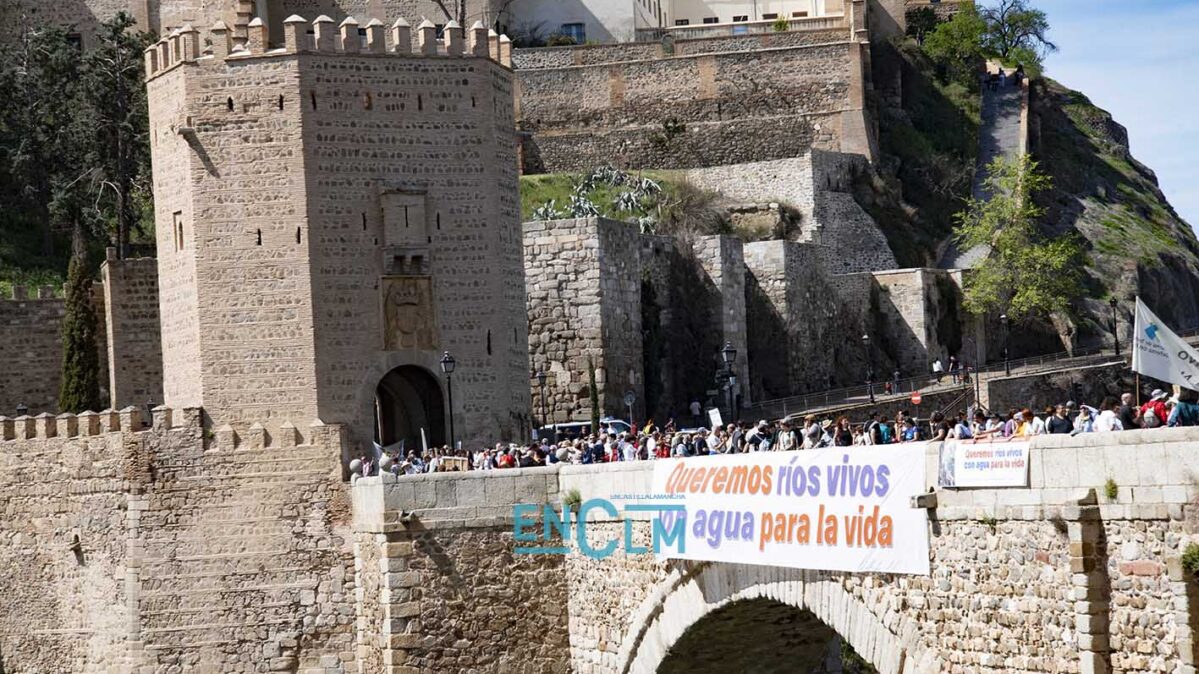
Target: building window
178 230
741 17
798 15
711 19
682 22
575 31
772 15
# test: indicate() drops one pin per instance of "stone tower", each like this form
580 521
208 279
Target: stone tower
332 216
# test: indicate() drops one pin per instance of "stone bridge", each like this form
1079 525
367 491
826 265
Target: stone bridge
1057 577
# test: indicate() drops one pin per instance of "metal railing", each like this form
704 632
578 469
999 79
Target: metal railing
815 401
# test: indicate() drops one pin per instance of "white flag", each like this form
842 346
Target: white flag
1159 353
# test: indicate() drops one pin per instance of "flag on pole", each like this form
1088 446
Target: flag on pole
1159 353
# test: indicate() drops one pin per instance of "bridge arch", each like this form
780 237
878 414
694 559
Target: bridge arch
694 591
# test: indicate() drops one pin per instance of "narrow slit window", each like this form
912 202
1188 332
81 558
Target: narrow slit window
489 342
280 102
312 97
368 102
364 222
259 243
297 234
229 104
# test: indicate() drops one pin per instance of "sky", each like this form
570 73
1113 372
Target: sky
1138 60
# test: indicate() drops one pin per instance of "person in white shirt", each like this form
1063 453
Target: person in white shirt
628 451
1108 419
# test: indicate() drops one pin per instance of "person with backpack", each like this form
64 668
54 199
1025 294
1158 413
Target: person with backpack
1154 414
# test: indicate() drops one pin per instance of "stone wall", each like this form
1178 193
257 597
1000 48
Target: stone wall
133 334
919 313
1088 384
817 184
692 111
803 330
160 548
31 347
584 310
651 312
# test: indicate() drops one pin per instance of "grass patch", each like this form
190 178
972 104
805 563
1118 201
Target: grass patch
536 190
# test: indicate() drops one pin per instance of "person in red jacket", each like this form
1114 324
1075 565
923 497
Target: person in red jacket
1154 414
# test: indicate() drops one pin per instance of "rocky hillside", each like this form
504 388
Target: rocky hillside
1137 244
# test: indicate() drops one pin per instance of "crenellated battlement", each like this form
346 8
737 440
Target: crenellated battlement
25 293
131 419
323 35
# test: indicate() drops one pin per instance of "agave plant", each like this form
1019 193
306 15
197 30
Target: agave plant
648 186
582 207
628 202
547 211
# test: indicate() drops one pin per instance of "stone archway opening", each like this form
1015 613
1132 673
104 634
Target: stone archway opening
761 636
408 401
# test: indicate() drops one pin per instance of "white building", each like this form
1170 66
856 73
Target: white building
605 21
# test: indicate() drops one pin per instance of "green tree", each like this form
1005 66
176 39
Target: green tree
80 389
957 44
119 161
1017 31
1009 31
921 22
1026 274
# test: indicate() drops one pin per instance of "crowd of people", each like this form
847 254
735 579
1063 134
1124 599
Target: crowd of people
659 442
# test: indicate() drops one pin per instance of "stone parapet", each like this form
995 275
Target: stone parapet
183 45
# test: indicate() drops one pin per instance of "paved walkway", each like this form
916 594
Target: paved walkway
999 136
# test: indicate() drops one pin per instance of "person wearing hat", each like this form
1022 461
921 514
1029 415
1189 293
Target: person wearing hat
826 433
1154 414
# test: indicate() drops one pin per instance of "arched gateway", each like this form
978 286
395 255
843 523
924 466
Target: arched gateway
685 623
408 399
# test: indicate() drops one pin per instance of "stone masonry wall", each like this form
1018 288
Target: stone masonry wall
134 337
171 549
690 111
818 185
583 280
31 348
801 335
651 311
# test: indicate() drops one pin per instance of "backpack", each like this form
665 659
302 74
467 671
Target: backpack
884 433
1149 419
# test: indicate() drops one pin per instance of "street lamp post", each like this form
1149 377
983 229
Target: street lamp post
447 367
729 355
1115 328
541 384
1007 364
869 368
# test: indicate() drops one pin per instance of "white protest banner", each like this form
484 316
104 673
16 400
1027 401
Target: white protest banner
983 463
714 418
827 509
1159 353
